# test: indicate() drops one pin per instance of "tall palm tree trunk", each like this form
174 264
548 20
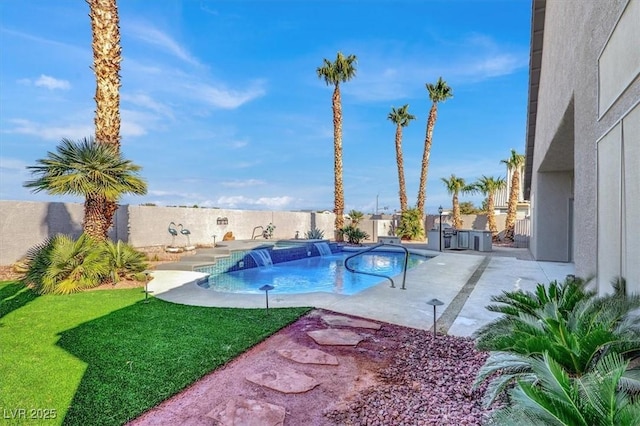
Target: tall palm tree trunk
94 217
491 217
400 161
512 206
457 221
338 208
107 55
431 121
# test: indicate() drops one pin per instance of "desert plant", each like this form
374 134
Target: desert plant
314 234
556 398
86 168
438 92
410 227
356 217
514 163
489 185
333 73
401 118
565 322
354 235
125 261
61 265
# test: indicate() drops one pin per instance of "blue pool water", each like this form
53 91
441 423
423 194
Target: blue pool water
318 273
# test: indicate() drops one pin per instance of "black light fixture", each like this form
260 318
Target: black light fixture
440 226
434 303
266 289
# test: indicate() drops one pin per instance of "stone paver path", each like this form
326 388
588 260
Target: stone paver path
244 411
248 412
334 337
308 356
285 380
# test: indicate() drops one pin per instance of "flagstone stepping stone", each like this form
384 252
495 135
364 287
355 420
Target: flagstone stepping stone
248 412
308 356
284 380
335 337
338 320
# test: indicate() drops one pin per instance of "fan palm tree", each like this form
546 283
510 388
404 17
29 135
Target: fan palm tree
96 171
514 163
341 70
401 118
438 92
107 55
488 186
455 186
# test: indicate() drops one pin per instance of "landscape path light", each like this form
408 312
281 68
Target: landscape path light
440 227
434 303
266 289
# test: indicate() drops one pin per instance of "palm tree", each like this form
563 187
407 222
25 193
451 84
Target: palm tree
456 185
401 118
489 185
438 92
107 55
514 163
356 217
334 73
96 171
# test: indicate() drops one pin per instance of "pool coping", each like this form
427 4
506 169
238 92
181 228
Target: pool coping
442 277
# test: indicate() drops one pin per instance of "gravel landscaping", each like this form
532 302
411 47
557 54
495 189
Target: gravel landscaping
427 383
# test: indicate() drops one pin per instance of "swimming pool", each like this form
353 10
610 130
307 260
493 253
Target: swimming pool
314 274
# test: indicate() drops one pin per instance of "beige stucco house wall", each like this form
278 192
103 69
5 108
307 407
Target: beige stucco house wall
582 175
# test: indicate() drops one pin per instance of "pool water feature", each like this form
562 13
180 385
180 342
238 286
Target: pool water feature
314 274
323 249
261 257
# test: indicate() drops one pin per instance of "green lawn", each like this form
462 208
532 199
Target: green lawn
105 357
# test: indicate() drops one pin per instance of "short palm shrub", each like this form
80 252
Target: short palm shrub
62 265
125 261
410 227
315 234
354 235
550 345
599 397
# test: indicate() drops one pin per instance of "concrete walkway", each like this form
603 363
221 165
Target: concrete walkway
463 281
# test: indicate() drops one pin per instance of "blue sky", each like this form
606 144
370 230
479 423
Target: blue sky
222 107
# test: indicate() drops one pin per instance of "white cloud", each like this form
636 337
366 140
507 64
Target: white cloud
70 131
146 101
222 97
52 83
154 36
238 201
242 183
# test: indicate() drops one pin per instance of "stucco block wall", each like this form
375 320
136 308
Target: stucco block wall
26 224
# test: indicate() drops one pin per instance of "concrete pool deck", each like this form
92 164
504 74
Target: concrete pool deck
464 281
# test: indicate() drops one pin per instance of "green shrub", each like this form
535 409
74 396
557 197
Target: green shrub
599 397
125 261
315 234
410 227
554 342
354 235
61 265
